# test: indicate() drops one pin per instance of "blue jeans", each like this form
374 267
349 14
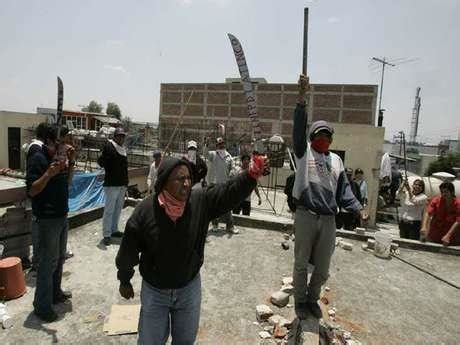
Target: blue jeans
165 311
114 200
52 239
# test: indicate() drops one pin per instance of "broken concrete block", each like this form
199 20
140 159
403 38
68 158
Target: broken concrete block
338 240
360 231
263 312
327 288
293 238
287 237
279 298
346 245
278 320
274 319
264 335
279 332
288 281
288 289
285 245
268 329
370 243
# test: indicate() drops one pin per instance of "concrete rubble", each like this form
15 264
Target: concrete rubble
344 245
263 312
279 298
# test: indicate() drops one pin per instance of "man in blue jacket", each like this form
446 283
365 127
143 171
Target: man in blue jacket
320 189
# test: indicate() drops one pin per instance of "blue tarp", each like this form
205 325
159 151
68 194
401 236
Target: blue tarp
86 191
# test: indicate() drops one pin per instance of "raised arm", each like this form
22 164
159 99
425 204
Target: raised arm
299 131
223 197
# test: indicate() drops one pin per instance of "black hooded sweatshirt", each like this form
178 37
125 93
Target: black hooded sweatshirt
172 253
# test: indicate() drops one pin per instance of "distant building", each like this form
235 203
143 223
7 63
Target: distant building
214 103
449 145
16 129
81 119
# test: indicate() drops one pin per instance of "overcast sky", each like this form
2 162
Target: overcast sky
121 51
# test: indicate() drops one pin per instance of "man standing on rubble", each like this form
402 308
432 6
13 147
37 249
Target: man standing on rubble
168 229
320 189
114 160
47 179
222 166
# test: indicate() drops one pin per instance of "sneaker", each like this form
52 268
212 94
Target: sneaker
62 297
233 230
117 234
47 317
315 310
301 310
106 241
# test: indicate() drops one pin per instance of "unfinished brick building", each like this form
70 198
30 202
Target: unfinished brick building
225 103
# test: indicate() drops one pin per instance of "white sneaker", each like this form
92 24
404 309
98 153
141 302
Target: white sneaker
234 231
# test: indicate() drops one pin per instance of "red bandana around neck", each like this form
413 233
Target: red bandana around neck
174 208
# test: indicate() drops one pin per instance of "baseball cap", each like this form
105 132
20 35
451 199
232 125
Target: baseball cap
192 144
119 131
319 126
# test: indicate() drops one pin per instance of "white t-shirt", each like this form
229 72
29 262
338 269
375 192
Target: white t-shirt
412 209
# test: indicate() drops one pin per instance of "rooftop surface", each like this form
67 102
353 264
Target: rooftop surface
382 301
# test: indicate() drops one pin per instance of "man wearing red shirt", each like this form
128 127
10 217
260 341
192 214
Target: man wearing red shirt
441 222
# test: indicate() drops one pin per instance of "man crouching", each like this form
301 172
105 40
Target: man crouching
169 229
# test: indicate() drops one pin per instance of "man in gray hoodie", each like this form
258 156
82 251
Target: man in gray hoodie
320 189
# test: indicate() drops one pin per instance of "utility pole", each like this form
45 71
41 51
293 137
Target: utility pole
384 62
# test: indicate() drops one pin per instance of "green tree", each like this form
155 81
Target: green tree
445 164
126 123
93 107
114 110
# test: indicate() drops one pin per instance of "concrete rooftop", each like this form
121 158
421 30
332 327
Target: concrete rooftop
382 301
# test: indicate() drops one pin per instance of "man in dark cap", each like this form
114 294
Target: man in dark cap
320 189
168 229
114 160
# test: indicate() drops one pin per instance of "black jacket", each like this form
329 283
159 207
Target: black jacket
171 254
115 166
199 170
53 200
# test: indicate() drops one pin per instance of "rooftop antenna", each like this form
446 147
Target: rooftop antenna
415 117
385 63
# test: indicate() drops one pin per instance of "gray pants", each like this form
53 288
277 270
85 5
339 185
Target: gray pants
315 243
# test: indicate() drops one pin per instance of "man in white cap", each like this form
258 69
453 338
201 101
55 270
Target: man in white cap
222 166
198 165
114 160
